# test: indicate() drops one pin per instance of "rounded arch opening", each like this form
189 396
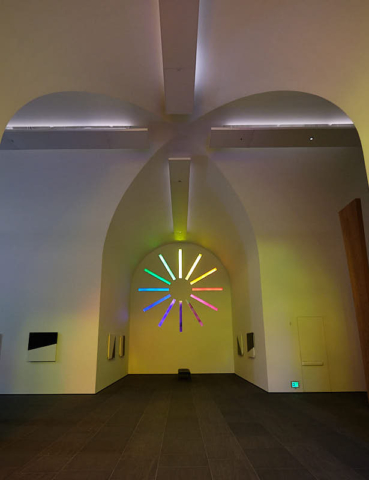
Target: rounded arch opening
184 326
143 222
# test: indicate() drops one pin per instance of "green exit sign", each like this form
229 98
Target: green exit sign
295 384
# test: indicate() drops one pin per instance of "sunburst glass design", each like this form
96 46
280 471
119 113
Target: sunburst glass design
180 276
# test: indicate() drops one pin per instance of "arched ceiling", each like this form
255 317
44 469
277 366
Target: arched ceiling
213 210
65 109
81 108
244 47
216 218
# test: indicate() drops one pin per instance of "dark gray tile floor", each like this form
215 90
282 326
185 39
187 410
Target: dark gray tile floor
155 427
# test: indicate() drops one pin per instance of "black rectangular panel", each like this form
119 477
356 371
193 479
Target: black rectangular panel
250 341
42 339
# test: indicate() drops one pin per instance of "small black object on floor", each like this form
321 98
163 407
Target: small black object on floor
184 374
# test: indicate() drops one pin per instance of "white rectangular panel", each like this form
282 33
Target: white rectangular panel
314 362
42 354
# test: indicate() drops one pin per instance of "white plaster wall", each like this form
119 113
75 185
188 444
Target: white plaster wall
55 209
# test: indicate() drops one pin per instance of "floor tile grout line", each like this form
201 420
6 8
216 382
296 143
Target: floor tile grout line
39 454
14 440
125 447
92 437
282 444
313 415
283 402
253 469
303 466
221 394
162 440
238 443
24 436
288 447
202 436
275 438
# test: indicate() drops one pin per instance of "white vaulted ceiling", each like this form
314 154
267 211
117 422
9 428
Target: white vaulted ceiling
110 47
244 47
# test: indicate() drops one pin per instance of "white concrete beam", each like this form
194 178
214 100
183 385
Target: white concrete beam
284 136
179 170
179 23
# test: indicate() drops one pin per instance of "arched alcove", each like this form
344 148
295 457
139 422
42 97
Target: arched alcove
143 222
284 222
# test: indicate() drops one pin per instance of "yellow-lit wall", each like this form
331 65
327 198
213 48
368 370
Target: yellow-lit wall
219 221
202 349
293 197
247 308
